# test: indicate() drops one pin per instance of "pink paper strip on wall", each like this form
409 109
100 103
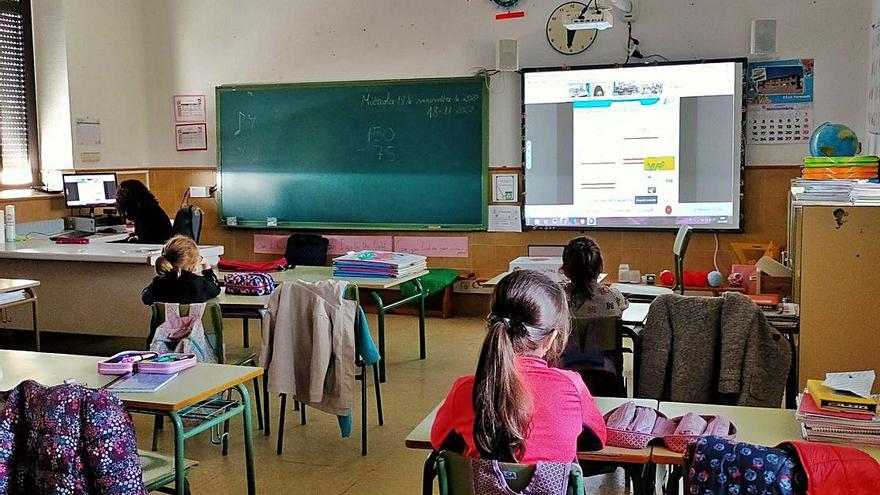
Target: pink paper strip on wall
269 244
439 247
341 244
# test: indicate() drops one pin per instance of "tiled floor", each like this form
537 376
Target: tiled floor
316 459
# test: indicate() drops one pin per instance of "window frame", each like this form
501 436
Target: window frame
23 7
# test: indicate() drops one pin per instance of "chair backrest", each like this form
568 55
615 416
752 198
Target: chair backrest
188 222
453 475
595 351
212 321
307 250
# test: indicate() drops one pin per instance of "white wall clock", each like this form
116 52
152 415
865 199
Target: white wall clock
567 41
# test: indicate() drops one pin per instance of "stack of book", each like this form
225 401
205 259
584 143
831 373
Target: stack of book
865 194
827 416
822 191
842 167
378 264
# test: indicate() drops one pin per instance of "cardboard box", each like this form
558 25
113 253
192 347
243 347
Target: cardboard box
548 265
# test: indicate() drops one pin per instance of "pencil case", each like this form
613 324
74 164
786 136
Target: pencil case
635 427
180 362
690 428
113 366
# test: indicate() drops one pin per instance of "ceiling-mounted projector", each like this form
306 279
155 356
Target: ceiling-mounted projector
602 17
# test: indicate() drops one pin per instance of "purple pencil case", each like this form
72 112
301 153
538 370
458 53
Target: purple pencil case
114 366
165 364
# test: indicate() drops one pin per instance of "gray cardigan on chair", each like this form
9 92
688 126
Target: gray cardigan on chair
717 350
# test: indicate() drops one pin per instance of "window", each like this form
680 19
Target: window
19 156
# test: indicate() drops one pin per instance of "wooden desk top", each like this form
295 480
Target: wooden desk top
312 274
420 436
757 425
12 284
189 387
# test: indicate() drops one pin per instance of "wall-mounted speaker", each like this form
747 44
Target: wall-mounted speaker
507 57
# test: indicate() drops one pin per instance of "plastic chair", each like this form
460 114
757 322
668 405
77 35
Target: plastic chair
454 478
188 222
351 293
212 321
595 350
158 472
679 249
307 250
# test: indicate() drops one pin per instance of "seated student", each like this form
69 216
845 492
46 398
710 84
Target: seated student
587 298
136 203
177 280
518 407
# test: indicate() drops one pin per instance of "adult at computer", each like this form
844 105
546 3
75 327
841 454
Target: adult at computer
136 203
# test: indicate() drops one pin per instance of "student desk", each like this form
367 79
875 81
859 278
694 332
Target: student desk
92 288
12 285
756 425
189 387
632 460
255 307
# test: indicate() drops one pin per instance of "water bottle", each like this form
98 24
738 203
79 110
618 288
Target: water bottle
9 227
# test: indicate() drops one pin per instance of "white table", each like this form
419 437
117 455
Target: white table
636 313
91 288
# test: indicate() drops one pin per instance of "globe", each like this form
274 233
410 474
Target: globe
833 140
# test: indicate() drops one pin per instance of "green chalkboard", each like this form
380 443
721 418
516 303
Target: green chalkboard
403 154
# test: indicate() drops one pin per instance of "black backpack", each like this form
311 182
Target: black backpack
306 249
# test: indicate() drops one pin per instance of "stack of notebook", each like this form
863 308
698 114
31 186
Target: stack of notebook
865 194
849 167
822 191
378 264
827 416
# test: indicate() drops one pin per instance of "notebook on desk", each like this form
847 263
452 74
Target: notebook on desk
140 383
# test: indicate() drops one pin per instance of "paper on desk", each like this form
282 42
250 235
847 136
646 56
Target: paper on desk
855 382
505 219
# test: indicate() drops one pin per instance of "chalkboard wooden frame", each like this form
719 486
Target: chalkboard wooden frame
281 224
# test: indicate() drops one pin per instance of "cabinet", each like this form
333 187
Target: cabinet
835 252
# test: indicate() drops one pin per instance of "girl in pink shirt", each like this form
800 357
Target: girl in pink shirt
517 407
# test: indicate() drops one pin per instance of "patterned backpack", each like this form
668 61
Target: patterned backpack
249 284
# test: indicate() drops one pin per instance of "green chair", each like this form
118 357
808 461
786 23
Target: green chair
454 476
595 350
158 472
212 321
352 294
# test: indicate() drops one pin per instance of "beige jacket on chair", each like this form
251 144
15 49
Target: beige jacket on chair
308 344
717 350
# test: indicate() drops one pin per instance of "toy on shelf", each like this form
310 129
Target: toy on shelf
667 278
736 279
716 279
701 279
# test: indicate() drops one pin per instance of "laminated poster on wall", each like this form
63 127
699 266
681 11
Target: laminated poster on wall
505 218
88 131
780 101
189 108
191 137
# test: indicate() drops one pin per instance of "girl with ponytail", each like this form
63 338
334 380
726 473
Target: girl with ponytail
518 407
183 275
587 298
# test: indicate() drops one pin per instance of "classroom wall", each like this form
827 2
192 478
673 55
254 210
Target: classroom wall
126 58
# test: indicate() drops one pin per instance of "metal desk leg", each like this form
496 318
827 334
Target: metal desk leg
245 333
34 314
418 284
791 385
179 456
380 315
248 438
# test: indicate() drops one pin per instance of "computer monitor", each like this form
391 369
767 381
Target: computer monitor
89 190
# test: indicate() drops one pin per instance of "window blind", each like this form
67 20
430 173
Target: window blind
15 128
